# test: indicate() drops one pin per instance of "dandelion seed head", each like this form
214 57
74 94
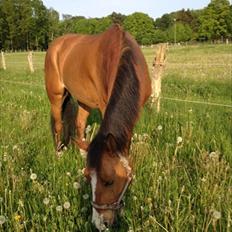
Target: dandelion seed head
88 129
76 185
86 196
68 173
2 219
179 140
214 155
159 128
46 201
216 215
33 176
67 205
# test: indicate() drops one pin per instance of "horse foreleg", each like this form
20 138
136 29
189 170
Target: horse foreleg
81 119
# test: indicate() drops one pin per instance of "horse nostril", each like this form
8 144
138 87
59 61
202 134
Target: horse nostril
106 224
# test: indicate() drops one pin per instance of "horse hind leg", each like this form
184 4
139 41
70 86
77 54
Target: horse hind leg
56 120
81 119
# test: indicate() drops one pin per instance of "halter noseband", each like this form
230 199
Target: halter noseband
119 203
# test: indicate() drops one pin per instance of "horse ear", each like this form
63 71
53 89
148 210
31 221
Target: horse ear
111 143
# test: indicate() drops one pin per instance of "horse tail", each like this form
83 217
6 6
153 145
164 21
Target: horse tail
69 110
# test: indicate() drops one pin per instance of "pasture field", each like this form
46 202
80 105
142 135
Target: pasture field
182 157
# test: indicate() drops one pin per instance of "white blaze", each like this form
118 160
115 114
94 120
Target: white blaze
97 219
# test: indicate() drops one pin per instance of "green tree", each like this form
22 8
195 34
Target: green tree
117 18
53 22
25 24
141 26
164 22
214 20
103 24
9 22
181 31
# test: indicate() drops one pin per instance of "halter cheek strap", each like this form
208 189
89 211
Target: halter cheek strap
117 204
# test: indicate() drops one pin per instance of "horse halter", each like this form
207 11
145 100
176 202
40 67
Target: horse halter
119 203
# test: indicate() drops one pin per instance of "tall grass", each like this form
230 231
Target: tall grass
181 157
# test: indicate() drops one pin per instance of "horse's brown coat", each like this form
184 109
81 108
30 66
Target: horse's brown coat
106 71
86 67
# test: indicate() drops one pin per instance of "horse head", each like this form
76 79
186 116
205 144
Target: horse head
110 175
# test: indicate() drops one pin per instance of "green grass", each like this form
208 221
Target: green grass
184 186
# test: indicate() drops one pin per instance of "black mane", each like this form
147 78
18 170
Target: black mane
121 112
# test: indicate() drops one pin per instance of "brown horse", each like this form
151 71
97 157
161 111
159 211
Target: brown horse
106 71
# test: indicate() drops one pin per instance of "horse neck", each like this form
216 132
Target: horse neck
123 107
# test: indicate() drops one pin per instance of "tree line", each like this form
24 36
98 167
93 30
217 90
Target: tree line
28 24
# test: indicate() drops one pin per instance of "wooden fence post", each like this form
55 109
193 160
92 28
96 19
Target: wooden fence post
30 62
3 61
157 71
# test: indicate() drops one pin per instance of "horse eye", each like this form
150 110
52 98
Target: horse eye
108 183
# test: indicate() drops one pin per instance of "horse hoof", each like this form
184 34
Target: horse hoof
60 150
83 153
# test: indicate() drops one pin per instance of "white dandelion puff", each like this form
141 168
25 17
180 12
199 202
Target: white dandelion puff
179 140
159 128
214 155
33 176
216 215
2 220
76 185
86 196
68 173
46 201
67 205
88 129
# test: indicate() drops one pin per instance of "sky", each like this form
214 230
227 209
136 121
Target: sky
100 8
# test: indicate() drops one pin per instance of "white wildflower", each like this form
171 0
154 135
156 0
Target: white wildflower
214 155
86 196
66 205
88 129
46 201
179 140
15 147
159 128
68 173
2 220
216 215
203 179
33 176
59 208
76 185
